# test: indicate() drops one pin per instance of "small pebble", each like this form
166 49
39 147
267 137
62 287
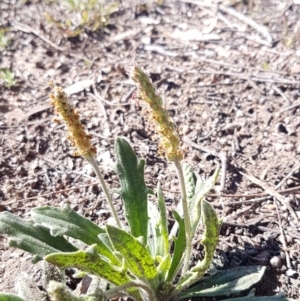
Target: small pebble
223 141
20 138
282 255
289 239
33 184
289 147
239 113
89 170
185 129
276 262
205 115
291 273
278 146
262 100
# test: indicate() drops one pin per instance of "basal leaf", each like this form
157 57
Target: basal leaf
280 297
179 248
155 241
164 267
133 188
209 241
136 256
202 188
65 221
10 297
189 180
89 261
35 239
226 282
212 227
163 220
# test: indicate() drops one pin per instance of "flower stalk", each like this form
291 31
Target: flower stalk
79 138
93 162
187 222
169 144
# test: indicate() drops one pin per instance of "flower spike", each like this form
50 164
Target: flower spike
79 138
76 131
169 142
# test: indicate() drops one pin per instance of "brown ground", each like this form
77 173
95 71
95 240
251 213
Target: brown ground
232 88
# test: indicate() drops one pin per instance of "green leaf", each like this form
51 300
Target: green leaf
65 221
209 240
179 248
226 282
202 188
164 267
89 261
10 297
135 254
155 240
35 239
251 297
133 188
212 227
189 180
163 220
58 291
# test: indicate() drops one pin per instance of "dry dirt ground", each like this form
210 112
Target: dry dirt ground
230 77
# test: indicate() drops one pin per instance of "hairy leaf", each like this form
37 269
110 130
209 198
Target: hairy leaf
89 261
251 297
212 228
133 188
155 241
164 267
189 180
10 297
209 240
65 221
226 282
136 256
163 220
35 239
179 248
202 188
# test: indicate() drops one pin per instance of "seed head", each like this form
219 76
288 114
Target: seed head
169 141
76 131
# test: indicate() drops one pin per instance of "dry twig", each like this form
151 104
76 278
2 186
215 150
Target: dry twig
98 97
283 238
276 89
271 191
259 28
27 29
242 18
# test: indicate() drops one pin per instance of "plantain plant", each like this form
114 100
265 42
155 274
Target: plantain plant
146 258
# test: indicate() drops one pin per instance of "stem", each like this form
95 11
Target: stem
186 217
118 289
92 161
196 272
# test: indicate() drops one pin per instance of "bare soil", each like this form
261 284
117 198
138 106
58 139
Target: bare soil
230 77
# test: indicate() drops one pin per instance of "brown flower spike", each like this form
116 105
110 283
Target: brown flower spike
76 131
169 142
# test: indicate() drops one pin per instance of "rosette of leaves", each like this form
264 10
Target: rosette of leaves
144 260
